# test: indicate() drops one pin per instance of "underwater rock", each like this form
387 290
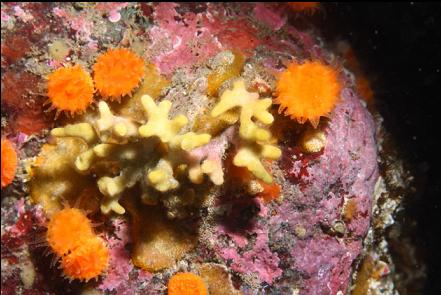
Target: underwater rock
300 229
295 241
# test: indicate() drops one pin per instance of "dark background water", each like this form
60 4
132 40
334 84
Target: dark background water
399 46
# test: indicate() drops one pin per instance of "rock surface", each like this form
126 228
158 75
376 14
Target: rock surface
307 241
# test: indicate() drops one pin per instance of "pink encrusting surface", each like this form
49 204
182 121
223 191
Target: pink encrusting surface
325 263
259 260
295 244
179 43
269 17
346 169
183 41
118 277
79 23
112 9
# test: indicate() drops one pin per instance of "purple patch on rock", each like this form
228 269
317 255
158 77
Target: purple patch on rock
294 241
346 169
267 16
244 231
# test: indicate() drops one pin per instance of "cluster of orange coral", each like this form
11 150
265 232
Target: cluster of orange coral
308 91
186 283
84 256
9 162
116 73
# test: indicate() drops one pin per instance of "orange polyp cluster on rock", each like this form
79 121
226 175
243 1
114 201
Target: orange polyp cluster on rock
117 72
186 283
9 162
83 255
308 91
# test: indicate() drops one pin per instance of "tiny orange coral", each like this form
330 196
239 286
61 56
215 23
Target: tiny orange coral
186 283
86 262
70 89
9 162
117 72
270 191
307 91
67 230
304 6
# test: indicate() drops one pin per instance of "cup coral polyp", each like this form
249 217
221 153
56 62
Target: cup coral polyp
70 89
308 91
86 262
67 230
9 162
117 72
186 283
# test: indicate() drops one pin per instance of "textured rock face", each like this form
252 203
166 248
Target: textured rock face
311 238
339 180
306 241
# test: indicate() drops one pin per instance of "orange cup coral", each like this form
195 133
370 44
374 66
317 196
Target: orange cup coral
307 91
186 283
67 230
70 89
117 72
83 254
9 162
86 262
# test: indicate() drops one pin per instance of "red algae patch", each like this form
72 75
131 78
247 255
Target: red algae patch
70 89
9 162
117 73
15 47
186 283
17 87
31 121
307 91
23 104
